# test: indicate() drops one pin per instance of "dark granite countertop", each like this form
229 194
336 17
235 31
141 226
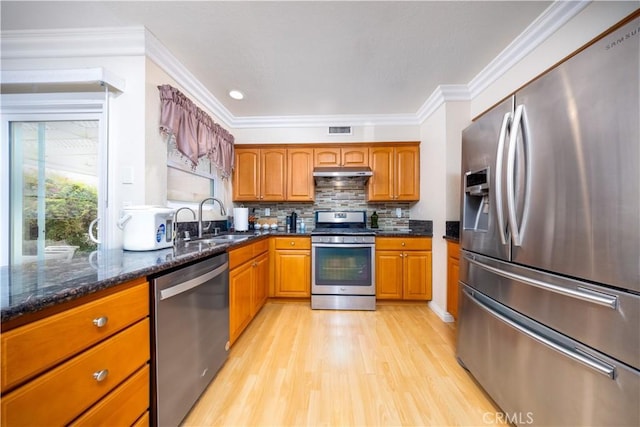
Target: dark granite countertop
452 231
32 287
403 233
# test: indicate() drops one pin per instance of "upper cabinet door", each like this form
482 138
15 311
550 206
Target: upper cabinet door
355 156
273 173
246 174
300 186
407 173
396 173
326 157
337 156
380 185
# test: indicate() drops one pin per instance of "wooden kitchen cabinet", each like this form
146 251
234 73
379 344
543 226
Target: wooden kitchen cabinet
453 275
248 285
396 173
70 365
300 185
259 174
403 268
292 267
341 156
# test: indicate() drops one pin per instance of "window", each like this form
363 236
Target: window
56 175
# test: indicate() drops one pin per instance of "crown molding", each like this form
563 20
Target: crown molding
326 120
132 41
553 17
73 43
159 54
442 94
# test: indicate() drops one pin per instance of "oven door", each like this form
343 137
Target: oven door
343 269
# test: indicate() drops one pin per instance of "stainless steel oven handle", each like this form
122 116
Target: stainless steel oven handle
576 354
588 295
193 283
343 245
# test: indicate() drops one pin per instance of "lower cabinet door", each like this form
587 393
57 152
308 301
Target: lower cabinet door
240 284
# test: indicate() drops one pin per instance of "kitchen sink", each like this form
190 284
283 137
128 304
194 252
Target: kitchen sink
221 239
211 241
229 238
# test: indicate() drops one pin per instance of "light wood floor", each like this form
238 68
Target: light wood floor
390 367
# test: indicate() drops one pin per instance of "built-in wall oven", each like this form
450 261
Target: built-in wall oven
342 262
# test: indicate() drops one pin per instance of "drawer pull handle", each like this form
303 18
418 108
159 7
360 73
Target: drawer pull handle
293 243
402 243
100 321
100 375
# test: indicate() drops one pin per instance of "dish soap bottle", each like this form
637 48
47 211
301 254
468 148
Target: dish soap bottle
374 220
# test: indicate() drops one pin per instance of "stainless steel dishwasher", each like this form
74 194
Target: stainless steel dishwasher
191 336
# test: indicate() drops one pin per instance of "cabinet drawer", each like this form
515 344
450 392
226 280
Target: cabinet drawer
293 243
246 253
403 243
240 255
260 247
143 421
40 345
58 396
123 406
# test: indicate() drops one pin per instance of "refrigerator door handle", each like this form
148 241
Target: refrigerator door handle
581 293
575 353
519 123
506 121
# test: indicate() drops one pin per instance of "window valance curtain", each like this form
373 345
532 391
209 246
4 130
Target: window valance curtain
196 134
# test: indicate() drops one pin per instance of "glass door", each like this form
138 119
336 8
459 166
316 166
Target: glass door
54 167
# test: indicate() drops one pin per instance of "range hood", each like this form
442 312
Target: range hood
342 172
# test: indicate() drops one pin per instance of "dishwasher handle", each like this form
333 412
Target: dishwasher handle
195 282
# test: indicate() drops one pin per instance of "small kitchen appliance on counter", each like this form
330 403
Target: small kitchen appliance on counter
342 262
146 228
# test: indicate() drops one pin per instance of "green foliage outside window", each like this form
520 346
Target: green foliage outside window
70 206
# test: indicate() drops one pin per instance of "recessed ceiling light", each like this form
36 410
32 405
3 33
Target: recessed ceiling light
236 94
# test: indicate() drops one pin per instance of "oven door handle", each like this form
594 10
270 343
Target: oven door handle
343 245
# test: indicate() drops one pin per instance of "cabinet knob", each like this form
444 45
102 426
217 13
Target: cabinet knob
100 375
402 243
293 243
100 321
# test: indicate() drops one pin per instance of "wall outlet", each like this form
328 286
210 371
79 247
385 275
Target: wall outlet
267 211
399 212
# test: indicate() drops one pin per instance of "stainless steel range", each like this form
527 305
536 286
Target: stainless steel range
342 262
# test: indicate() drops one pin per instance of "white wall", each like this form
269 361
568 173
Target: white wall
294 134
593 20
439 187
126 126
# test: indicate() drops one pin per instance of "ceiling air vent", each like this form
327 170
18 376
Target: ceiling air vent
339 130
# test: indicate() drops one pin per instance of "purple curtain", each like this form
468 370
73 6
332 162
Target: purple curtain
195 132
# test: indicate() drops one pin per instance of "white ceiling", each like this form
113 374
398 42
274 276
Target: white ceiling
309 57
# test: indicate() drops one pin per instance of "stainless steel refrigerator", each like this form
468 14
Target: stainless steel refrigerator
549 319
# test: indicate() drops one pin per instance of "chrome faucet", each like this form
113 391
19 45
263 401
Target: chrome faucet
223 212
175 221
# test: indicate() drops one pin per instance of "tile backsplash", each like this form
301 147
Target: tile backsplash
334 194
